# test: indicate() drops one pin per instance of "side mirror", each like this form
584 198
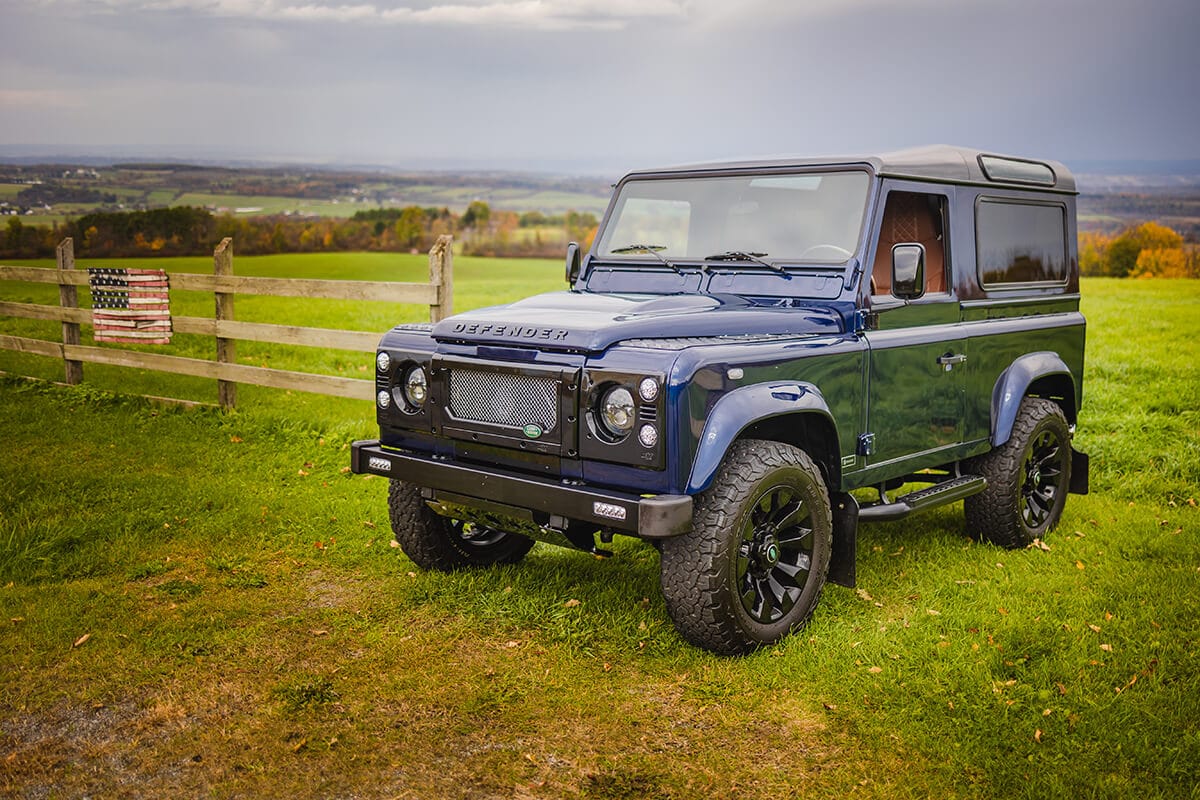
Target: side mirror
908 271
574 262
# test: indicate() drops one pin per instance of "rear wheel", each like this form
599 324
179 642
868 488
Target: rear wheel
753 566
1028 478
438 543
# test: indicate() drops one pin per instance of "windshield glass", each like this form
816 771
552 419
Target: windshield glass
800 217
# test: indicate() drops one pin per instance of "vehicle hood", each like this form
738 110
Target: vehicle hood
583 321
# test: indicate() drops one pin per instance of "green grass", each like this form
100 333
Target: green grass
251 632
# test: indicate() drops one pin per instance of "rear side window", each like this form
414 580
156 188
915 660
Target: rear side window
1020 242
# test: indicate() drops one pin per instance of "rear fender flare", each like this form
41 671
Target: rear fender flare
1014 384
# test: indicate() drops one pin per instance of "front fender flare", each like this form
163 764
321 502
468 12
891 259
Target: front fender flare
1014 384
741 408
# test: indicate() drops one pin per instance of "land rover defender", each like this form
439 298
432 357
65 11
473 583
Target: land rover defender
750 360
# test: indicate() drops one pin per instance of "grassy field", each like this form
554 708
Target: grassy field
195 603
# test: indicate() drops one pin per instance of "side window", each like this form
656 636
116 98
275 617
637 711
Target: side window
1020 242
912 218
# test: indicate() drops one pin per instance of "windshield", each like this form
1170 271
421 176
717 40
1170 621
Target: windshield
799 217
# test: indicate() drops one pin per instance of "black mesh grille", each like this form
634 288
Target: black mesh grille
503 399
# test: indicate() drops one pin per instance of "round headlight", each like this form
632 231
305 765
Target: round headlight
416 387
383 398
648 389
383 361
616 411
648 436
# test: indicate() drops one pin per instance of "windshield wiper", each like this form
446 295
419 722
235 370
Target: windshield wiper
652 249
742 255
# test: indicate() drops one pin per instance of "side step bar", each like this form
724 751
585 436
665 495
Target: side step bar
939 494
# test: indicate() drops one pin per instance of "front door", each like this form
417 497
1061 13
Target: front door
917 347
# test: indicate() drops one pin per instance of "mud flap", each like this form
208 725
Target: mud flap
845 535
1079 473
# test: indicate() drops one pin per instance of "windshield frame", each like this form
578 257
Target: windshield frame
715 261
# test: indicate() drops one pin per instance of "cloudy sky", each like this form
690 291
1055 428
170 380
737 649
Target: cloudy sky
597 84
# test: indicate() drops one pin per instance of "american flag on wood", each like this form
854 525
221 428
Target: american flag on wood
130 305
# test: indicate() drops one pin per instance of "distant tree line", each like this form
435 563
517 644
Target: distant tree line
1148 250
194 231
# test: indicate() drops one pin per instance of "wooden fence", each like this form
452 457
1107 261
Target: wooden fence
223 327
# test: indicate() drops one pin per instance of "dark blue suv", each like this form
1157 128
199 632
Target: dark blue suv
744 346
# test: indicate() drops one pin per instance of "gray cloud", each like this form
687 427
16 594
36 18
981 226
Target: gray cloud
602 84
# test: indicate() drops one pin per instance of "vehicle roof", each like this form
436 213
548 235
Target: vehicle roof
940 162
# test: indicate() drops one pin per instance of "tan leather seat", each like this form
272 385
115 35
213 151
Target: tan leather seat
910 218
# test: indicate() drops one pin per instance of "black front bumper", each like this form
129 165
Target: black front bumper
657 517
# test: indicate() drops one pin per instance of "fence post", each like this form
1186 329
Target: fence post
441 275
68 297
226 348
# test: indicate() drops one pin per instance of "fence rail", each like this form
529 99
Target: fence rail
225 330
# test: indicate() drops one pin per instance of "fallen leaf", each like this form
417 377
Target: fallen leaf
830 706
1047 712
299 745
1094 628
81 640
1107 617
875 670
319 633
571 603
607 667
393 543
1003 611
1106 648
235 439
1040 545
862 594
1037 735
368 524
302 473
344 470
1079 565
512 643
1062 690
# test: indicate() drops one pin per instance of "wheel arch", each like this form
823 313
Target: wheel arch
1042 374
790 412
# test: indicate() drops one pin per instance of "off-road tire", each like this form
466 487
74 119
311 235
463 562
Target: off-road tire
714 577
1028 478
434 542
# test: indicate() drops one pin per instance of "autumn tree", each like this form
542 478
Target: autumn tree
1123 252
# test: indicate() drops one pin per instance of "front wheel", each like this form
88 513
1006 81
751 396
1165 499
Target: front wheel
1027 479
437 543
752 568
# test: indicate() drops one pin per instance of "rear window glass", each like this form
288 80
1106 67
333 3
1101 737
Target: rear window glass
1020 242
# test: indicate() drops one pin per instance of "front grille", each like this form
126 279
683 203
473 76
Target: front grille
502 398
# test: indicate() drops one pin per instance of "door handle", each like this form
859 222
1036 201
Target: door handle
948 361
